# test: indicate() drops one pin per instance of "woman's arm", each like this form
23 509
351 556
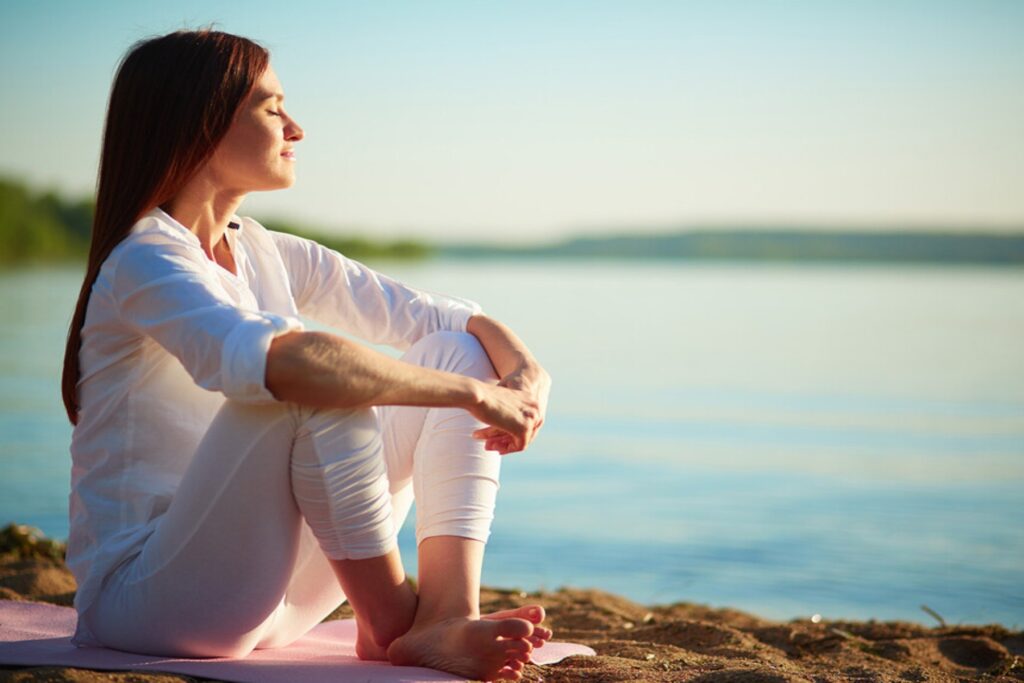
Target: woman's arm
324 370
518 370
347 295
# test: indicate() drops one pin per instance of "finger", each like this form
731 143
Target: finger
487 432
536 429
507 444
523 440
498 438
506 448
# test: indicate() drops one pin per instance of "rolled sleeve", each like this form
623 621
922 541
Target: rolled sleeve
458 314
244 356
163 292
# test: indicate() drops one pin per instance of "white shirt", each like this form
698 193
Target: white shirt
170 334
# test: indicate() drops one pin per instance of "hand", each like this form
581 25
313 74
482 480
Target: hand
533 386
511 416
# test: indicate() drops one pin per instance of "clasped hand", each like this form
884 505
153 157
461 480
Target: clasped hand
514 409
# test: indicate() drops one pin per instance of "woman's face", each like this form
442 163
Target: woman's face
257 153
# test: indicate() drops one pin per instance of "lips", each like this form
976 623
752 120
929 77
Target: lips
288 154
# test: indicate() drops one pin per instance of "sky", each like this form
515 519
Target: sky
535 121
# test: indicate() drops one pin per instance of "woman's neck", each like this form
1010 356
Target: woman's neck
205 211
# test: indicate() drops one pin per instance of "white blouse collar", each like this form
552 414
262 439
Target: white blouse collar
236 225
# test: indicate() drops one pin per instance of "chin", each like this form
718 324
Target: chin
277 184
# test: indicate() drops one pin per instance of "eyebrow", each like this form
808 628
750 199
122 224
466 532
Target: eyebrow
272 96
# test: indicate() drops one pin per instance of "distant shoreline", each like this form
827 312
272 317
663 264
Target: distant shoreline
753 245
38 228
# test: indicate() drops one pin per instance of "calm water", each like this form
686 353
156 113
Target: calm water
846 441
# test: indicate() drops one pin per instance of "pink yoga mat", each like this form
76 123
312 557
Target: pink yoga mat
34 634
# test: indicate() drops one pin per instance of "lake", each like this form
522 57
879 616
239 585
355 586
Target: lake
784 439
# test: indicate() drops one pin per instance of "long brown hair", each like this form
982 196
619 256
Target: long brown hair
172 102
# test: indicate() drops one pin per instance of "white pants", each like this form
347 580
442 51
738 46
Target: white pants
240 559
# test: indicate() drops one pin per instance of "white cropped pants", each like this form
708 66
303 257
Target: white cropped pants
240 559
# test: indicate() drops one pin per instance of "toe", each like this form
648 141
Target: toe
532 613
541 632
508 674
515 664
511 628
518 649
539 636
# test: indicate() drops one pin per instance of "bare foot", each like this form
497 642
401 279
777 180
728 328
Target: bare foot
367 649
485 649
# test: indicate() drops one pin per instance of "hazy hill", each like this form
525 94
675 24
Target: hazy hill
779 245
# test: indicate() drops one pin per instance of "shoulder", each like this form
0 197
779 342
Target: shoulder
254 234
154 232
290 247
154 246
253 230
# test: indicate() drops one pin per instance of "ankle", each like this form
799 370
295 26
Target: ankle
427 614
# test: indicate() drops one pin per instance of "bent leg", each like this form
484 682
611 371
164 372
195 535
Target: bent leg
430 451
216 575
431 454
455 481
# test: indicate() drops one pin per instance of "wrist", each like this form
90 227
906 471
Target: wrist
471 393
531 371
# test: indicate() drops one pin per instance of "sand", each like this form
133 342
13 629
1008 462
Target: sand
679 642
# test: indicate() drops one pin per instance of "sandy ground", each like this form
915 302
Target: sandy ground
679 642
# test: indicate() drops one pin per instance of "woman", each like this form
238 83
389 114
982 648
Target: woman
236 477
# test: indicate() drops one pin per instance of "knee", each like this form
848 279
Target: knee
316 422
458 352
339 482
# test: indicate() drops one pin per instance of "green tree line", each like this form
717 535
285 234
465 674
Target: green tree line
358 248
40 227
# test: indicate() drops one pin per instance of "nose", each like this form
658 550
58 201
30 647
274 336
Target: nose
293 131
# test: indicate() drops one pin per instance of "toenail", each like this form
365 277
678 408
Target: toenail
535 612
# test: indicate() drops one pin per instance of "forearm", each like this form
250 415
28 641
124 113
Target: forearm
324 370
507 352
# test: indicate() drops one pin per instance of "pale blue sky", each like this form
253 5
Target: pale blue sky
534 120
